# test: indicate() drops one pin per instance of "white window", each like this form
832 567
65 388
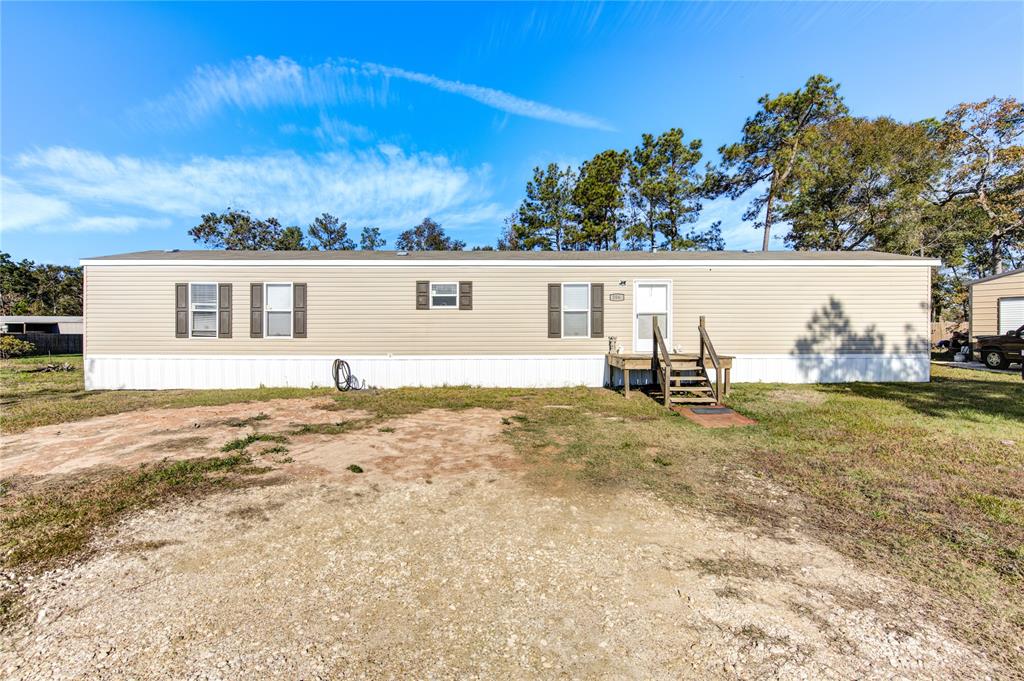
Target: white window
444 294
278 304
202 310
575 310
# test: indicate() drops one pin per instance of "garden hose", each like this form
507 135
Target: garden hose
343 378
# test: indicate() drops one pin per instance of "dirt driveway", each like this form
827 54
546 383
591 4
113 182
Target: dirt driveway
441 560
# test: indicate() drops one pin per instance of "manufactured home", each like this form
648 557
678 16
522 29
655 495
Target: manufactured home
232 319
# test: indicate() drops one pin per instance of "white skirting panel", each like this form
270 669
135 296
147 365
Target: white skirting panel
912 368
149 372
210 371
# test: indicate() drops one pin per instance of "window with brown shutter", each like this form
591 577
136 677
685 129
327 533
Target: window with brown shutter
224 310
256 310
299 310
597 310
181 310
203 309
422 295
554 310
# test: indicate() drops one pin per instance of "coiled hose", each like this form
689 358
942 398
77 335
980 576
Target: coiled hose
343 378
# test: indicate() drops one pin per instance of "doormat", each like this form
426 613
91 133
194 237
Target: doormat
714 417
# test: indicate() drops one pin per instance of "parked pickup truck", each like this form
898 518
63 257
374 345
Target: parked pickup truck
999 352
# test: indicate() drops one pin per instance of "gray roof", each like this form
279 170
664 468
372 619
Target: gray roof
30 319
996 276
377 256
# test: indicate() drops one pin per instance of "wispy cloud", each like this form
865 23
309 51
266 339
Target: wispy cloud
67 189
331 132
21 208
257 83
113 223
496 99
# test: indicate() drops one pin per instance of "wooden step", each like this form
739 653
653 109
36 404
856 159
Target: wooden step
693 400
692 389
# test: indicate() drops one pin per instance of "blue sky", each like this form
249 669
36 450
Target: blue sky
123 123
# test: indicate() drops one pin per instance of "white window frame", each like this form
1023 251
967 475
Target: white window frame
667 333
267 310
430 294
216 310
564 309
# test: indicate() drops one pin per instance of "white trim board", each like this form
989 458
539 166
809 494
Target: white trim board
156 372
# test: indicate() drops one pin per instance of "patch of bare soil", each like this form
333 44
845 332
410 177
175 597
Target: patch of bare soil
422 446
319 442
473 576
438 561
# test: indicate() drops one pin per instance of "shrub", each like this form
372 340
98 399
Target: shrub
14 347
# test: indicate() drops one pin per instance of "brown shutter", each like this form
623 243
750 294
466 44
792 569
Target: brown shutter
554 310
465 295
422 295
224 310
298 310
597 310
181 310
256 310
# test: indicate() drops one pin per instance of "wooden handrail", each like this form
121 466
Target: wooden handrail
666 374
705 342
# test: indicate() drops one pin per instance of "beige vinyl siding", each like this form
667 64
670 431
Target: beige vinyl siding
985 302
361 310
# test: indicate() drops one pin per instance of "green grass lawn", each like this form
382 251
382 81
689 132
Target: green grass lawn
921 481
30 399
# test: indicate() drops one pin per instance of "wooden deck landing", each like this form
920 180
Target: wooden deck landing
638 361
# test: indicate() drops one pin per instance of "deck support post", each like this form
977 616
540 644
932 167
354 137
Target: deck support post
666 388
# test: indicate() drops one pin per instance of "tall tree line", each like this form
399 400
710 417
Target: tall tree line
639 199
239 230
28 288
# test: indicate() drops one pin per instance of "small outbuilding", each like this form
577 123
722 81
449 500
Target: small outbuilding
40 324
997 304
57 334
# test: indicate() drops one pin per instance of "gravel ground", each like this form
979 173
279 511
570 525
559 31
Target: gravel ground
437 563
469 578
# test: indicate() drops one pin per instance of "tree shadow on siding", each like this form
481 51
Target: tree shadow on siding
827 353
830 332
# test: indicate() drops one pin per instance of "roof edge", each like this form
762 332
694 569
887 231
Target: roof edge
207 258
992 277
852 262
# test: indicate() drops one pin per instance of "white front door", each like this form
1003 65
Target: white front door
651 300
